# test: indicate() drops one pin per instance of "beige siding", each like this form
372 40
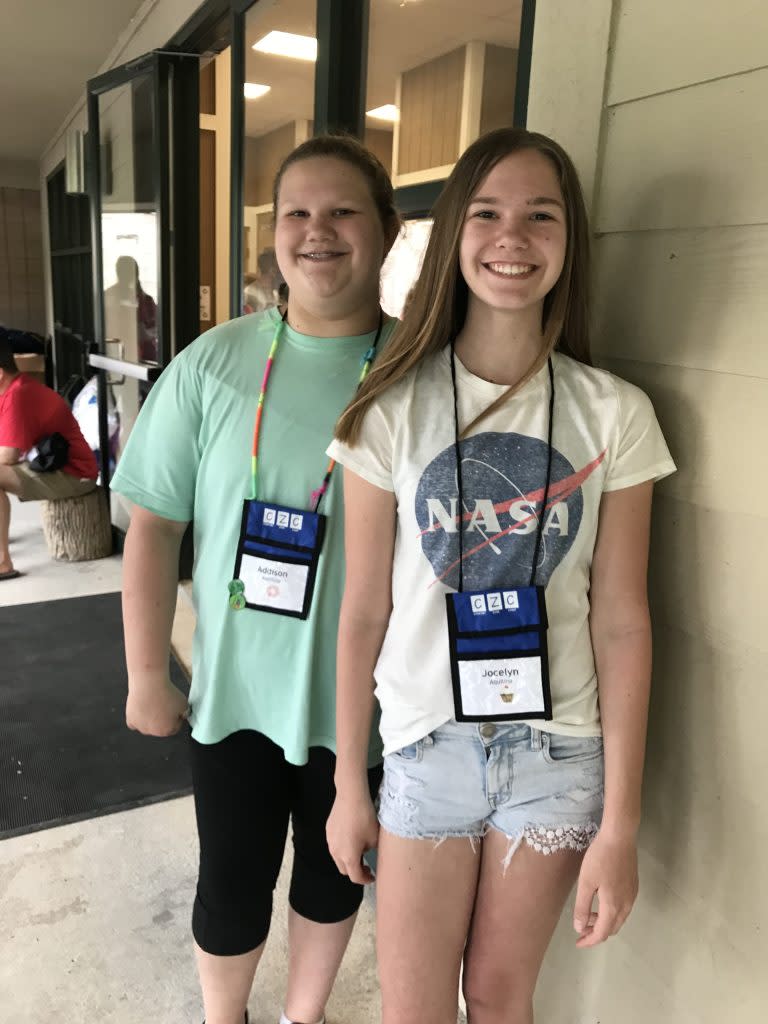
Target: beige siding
661 297
689 158
681 308
667 44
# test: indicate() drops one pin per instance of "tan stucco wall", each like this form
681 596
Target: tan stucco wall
662 105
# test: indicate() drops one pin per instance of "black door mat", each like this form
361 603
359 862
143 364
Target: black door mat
65 751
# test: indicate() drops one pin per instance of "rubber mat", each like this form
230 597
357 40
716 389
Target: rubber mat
65 752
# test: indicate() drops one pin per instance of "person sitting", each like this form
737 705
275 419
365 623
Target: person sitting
30 412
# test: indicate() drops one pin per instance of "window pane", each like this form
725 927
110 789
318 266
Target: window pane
279 108
445 79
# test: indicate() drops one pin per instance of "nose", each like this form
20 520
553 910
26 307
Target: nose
320 226
513 234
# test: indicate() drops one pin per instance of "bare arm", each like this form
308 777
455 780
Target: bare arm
9 456
621 639
150 581
365 610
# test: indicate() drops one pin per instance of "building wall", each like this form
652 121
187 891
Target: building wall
21 258
664 112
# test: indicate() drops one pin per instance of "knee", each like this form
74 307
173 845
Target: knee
493 995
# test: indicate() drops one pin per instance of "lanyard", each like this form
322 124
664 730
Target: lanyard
317 495
459 480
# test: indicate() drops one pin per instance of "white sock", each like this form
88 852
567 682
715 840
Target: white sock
287 1020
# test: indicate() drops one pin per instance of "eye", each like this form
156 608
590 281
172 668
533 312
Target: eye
485 214
296 213
343 211
541 215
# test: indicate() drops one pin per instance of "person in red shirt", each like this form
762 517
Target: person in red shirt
29 411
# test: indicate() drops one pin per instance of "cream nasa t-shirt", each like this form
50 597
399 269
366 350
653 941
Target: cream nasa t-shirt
605 437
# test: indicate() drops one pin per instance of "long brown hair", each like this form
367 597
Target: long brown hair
437 307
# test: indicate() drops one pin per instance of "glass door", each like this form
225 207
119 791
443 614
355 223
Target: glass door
144 195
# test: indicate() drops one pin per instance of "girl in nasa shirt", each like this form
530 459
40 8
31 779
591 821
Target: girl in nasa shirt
498 495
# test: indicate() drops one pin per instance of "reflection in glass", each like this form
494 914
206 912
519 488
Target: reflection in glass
279 107
436 83
402 266
129 253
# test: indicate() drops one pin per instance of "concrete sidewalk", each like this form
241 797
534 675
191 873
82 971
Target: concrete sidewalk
96 914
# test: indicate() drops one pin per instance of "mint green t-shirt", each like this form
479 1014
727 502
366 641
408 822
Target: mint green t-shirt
189 458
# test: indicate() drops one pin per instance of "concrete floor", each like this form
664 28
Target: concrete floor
95 915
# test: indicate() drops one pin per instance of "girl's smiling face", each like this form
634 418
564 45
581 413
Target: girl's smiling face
513 242
329 239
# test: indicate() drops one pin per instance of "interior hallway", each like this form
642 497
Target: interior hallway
96 914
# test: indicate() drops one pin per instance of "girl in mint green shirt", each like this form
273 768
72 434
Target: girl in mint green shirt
262 701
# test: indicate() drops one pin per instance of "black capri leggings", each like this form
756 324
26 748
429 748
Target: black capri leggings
245 792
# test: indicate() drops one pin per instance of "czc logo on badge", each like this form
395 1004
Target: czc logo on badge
269 517
478 604
283 519
297 521
494 602
511 600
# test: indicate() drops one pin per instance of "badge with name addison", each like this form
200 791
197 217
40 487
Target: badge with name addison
498 648
277 558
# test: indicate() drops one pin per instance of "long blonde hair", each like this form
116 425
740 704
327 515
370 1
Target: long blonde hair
437 307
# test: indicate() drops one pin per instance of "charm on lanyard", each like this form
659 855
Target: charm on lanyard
279 547
498 638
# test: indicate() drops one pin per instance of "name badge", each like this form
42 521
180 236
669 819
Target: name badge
498 650
277 558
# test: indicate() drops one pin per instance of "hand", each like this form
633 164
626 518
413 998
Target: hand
608 871
351 829
157 710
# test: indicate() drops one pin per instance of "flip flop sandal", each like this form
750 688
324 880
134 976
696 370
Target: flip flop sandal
12 575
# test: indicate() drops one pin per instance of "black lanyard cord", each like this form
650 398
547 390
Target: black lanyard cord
460 480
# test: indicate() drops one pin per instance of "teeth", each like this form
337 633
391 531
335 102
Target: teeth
511 269
319 255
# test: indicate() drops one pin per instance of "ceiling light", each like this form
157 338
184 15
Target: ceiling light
388 112
286 44
252 91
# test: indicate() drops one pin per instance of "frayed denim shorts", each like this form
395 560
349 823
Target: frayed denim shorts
544 789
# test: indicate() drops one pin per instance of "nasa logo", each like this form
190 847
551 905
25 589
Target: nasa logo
503 477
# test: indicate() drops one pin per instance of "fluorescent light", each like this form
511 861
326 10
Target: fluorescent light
252 91
286 44
388 112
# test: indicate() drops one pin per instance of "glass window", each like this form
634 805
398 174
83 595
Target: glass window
439 75
280 53
129 245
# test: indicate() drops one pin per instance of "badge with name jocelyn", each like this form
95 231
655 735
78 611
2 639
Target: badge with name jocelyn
277 558
498 649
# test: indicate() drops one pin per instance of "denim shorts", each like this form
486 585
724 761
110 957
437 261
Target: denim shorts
545 789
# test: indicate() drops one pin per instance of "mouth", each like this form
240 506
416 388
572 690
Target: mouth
518 271
324 256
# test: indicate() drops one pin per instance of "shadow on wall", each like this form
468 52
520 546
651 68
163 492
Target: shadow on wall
686 744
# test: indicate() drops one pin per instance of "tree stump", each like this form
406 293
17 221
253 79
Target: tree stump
78 529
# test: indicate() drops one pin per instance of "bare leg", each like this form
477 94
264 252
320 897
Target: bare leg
425 895
516 913
226 984
316 952
8 485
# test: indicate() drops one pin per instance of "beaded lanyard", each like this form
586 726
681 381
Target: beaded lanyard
317 495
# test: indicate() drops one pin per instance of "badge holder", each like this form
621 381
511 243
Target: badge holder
277 557
498 638
279 547
498 647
